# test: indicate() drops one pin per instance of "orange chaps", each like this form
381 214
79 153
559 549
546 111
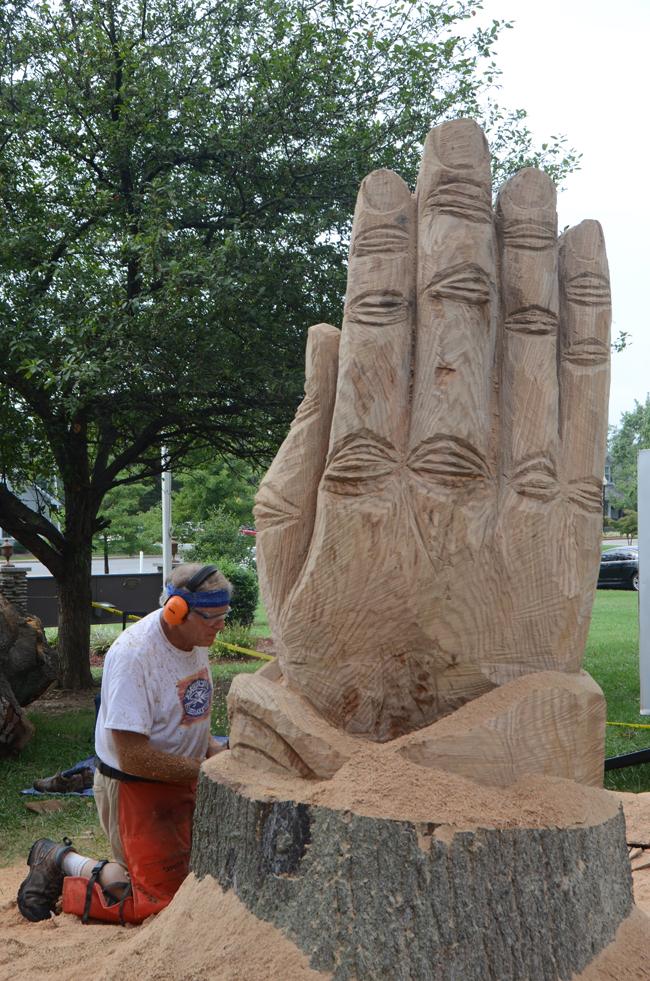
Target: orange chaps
155 821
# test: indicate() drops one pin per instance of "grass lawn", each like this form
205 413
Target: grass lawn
612 658
62 738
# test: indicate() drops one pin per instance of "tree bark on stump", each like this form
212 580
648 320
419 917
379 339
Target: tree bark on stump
369 897
28 666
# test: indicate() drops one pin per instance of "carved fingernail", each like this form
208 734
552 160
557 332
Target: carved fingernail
529 189
460 144
383 190
585 240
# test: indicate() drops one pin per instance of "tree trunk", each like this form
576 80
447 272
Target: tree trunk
75 597
27 669
15 728
369 897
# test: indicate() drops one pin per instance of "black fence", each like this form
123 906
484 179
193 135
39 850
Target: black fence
138 593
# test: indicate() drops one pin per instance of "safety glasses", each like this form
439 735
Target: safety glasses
211 616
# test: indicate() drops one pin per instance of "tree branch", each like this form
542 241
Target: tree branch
32 530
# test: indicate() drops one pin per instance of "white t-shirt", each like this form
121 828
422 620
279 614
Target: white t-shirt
152 687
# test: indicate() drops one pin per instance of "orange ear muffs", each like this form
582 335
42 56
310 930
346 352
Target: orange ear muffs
175 611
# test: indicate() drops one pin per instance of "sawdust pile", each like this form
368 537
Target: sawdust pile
626 959
377 782
205 934
209 934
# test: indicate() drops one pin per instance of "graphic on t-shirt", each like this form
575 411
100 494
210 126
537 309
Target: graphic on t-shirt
195 694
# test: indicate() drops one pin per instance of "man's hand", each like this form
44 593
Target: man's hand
138 757
215 747
430 528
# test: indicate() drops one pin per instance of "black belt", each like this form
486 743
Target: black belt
111 771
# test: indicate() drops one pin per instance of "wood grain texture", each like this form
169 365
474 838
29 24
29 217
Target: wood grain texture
442 516
551 724
273 727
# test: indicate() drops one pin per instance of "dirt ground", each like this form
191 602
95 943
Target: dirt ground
63 700
173 945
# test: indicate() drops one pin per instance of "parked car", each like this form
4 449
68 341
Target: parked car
619 568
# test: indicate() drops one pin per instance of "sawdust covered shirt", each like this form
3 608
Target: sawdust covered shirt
150 686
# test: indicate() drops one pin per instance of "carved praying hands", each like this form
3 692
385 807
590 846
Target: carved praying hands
430 528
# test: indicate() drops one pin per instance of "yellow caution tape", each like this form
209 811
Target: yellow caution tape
113 609
629 725
245 650
221 643
269 657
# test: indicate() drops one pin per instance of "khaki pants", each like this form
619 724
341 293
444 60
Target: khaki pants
106 791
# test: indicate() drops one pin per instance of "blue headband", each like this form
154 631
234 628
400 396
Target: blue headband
217 597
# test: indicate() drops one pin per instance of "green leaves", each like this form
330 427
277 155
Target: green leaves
631 435
177 181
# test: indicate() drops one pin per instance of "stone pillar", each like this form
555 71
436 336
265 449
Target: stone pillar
13 585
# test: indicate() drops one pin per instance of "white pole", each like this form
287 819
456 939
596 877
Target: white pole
166 517
141 569
644 578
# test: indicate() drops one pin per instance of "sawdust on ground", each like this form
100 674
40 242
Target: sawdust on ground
377 782
208 934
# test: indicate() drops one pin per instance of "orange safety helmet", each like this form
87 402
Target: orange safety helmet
176 608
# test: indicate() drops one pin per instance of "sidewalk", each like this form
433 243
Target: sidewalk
117 565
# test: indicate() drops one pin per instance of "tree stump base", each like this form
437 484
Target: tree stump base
391 870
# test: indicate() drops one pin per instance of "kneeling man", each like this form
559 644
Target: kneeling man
152 734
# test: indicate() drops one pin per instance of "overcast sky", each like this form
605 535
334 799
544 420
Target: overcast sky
579 67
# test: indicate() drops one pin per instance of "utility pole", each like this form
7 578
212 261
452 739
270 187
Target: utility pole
644 578
166 516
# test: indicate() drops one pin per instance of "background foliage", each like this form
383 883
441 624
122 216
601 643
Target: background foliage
177 180
625 441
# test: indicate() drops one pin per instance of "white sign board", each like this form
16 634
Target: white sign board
644 578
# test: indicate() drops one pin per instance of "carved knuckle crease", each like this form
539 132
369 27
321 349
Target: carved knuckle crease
532 319
586 494
588 289
466 282
461 200
380 240
536 478
272 510
588 351
534 236
359 464
446 459
378 308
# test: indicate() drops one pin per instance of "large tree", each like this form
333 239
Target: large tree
177 179
631 435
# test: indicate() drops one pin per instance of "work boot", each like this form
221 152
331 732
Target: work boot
60 784
66 783
41 889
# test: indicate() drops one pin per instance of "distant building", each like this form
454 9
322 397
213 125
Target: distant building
37 499
612 499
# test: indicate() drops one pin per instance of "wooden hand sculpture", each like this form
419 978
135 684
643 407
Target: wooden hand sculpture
430 528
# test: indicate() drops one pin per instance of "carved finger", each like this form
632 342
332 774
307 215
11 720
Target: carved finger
371 412
527 223
584 361
285 504
456 291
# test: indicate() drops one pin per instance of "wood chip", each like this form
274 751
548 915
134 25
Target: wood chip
43 806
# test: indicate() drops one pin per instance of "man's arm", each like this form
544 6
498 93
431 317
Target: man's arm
137 756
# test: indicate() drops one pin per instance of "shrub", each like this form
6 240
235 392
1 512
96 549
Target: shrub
235 634
219 536
245 591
